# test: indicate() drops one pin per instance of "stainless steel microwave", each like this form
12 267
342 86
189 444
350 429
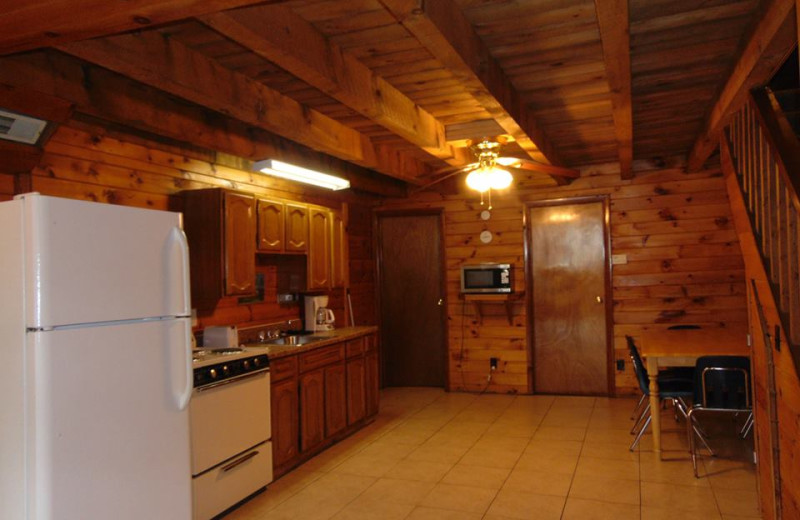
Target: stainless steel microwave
487 278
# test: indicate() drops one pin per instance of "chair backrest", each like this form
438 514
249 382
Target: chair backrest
722 382
638 366
683 327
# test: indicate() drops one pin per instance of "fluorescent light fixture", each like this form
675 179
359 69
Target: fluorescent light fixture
296 173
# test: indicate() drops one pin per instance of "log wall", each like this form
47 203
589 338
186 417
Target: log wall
89 163
6 186
684 264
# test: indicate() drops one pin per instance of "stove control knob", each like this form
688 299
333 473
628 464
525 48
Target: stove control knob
246 364
257 362
226 370
213 373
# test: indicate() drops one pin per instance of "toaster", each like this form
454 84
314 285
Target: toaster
221 337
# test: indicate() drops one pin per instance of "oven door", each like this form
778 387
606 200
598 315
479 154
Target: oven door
229 418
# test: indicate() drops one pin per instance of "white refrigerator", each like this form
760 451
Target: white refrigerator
95 352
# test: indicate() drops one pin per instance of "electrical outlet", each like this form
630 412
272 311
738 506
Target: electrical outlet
493 363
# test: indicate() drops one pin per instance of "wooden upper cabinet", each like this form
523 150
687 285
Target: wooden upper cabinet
220 227
338 250
296 228
319 251
240 250
271 226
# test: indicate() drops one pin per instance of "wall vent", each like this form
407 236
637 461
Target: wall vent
19 128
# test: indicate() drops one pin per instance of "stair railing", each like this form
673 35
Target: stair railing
766 157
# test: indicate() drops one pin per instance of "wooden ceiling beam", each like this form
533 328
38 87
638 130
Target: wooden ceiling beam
772 38
105 95
284 38
445 32
31 24
613 19
167 65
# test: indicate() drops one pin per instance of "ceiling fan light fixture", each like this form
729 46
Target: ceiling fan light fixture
299 174
479 180
499 179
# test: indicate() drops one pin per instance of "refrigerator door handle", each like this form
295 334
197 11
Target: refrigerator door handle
179 236
186 391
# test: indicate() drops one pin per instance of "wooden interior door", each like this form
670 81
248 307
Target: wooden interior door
412 300
568 266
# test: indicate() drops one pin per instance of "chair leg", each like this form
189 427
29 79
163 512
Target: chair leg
641 418
702 436
748 425
690 434
641 432
635 413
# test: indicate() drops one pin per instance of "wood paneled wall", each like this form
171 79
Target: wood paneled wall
683 265
88 163
6 186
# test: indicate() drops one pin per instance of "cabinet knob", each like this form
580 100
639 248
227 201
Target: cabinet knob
440 302
599 299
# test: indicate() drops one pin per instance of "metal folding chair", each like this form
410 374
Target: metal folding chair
722 384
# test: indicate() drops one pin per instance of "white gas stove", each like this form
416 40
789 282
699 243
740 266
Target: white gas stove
230 428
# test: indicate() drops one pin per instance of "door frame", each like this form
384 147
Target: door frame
377 214
608 297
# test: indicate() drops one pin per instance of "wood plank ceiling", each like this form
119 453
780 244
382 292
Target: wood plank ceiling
401 86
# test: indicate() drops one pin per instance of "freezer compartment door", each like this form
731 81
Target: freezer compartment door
110 437
89 262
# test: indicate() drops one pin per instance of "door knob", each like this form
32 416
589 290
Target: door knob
599 299
440 302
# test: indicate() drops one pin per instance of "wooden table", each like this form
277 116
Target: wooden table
676 348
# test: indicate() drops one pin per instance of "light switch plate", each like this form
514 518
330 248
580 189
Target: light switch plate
619 259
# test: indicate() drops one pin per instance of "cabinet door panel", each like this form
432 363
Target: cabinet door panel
335 399
240 250
312 409
284 421
356 390
296 228
271 225
372 383
319 252
338 251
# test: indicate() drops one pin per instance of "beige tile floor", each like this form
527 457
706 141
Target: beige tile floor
454 456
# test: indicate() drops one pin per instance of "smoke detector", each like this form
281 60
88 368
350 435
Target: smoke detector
20 128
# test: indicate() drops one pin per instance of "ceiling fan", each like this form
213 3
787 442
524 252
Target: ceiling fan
491 170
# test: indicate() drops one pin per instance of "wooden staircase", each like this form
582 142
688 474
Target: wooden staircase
765 153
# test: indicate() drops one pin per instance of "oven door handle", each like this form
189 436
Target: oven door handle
240 461
232 380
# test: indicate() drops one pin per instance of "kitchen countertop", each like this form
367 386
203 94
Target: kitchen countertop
331 337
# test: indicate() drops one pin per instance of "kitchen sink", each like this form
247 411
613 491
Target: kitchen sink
293 340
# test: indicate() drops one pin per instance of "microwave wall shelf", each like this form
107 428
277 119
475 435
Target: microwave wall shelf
508 299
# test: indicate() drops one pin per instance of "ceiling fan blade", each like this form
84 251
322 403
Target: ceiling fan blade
450 169
532 166
465 169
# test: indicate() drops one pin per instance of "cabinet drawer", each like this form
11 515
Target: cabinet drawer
283 368
223 486
355 347
321 357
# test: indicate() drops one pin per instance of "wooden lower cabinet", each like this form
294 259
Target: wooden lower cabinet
356 390
312 409
335 399
321 396
285 421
